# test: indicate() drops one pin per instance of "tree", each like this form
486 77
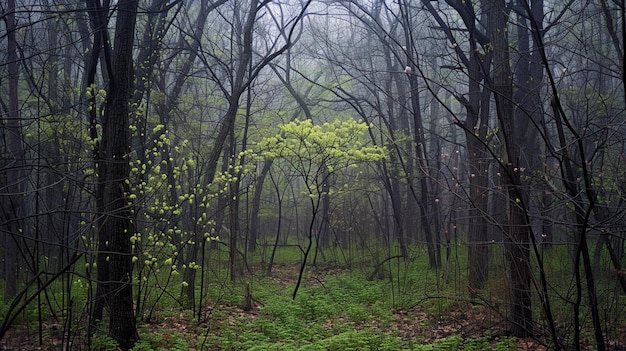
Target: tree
579 185
475 126
500 125
419 159
13 154
386 91
115 268
316 152
517 230
176 67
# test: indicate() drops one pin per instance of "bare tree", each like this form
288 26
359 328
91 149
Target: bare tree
115 255
13 154
517 229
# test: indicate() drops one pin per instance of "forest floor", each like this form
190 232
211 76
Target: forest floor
274 325
412 324
416 323
476 322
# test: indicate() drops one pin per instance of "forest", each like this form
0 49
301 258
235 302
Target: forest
312 175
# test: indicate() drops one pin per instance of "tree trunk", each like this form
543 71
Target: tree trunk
255 206
476 125
233 208
13 154
91 64
395 162
475 128
582 212
117 226
518 228
418 167
279 215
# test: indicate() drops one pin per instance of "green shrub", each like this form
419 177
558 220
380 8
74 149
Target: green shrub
102 342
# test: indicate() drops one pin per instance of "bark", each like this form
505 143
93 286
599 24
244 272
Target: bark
117 225
13 154
582 215
436 180
323 237
233 210
395 162
233 215
54 225
100 36
518 229
570 183
612 30
529 115
279 203
475 127
255 206
418 168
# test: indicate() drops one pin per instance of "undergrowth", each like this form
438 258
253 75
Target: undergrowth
337 308
343 311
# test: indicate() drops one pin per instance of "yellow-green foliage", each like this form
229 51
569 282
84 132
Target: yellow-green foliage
314 150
